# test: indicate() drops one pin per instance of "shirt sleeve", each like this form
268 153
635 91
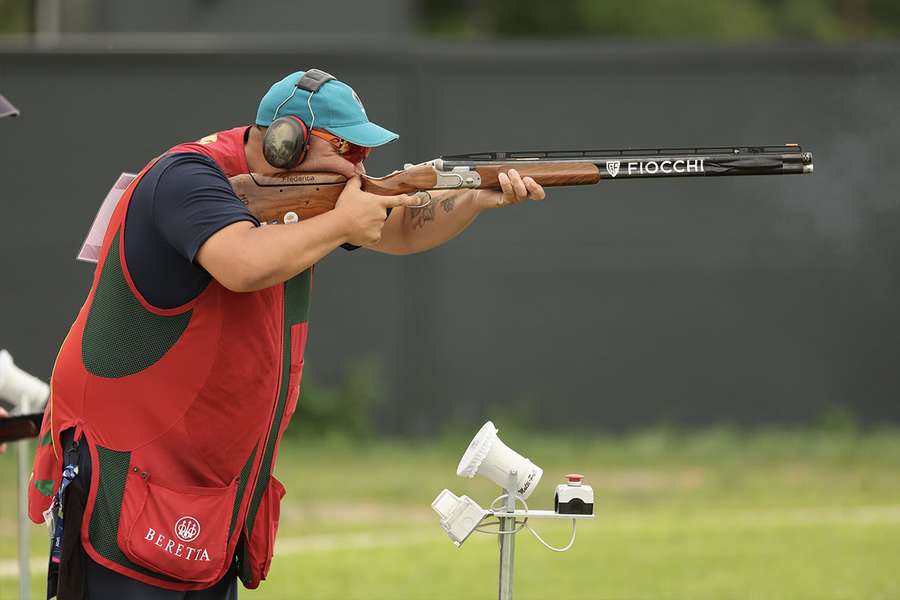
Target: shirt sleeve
192 201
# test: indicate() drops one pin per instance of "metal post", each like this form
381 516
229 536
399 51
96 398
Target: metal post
48 19
23 456
508 540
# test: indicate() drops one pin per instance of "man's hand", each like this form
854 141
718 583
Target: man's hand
514 189
365 213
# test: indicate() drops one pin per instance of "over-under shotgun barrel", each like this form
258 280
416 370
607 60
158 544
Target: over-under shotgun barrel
635 163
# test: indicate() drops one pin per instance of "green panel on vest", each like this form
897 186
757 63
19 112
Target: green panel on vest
242 487
44 486
265 468
105 518
121 337
46 439
296 299
243 565
104 526
296 310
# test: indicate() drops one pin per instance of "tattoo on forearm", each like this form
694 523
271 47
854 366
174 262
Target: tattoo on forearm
420 216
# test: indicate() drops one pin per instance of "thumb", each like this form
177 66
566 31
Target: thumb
354 183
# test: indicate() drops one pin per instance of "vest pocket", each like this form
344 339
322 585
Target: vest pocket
260 542
178 531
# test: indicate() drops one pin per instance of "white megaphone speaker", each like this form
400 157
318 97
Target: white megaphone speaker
19 387
491 458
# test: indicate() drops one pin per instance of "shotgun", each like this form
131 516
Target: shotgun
293 195
20 427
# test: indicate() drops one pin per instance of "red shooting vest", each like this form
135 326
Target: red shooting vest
182 411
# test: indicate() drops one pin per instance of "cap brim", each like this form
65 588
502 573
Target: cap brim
364 134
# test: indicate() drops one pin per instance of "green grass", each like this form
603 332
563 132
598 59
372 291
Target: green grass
712 514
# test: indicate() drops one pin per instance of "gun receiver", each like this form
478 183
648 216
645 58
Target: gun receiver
293 195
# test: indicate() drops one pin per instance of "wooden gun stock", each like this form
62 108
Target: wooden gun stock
270 198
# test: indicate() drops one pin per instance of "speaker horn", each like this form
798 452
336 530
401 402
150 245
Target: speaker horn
16 385
7 109
489 457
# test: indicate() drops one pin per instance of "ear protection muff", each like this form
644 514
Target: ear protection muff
285 142
287 138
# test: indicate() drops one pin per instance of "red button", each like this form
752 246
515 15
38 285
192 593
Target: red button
575 477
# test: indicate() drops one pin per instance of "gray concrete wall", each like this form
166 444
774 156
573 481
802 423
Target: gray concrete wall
298 18
741 299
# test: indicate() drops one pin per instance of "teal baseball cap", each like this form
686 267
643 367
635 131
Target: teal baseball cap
336 108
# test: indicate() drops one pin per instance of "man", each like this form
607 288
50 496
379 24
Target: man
181 372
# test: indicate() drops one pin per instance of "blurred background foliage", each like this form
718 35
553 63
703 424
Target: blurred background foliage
345 409
717 20
15 16
826 21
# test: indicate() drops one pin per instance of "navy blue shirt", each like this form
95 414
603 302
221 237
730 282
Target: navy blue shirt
180 202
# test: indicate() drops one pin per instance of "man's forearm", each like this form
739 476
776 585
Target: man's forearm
245 258
410 230
294 248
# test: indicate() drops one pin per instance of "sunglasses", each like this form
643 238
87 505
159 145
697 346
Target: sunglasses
346 150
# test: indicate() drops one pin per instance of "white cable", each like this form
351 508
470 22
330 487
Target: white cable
493 508
283 102
521 526
541 540
503 497
524 525
309 106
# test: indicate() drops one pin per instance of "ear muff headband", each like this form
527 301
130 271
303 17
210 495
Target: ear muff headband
287 138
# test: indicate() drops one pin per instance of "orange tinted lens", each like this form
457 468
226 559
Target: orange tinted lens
347 150
356 154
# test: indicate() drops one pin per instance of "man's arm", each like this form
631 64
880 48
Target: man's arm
409 230
246 258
